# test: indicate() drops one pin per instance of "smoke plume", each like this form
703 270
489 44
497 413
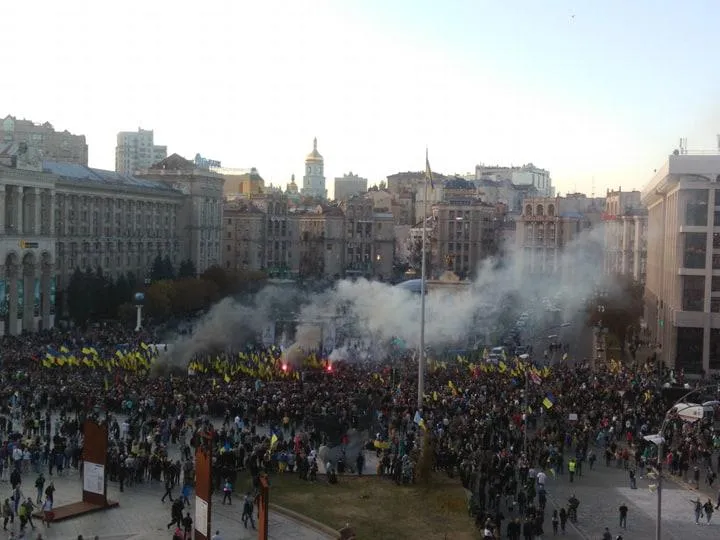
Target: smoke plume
360 319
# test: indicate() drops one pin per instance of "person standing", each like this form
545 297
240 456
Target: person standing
708 509
555 522
168 489
187 525
572 464
48 514
247 514
623 512
227 492
39 486
7 513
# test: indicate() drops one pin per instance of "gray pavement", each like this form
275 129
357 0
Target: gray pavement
602 491
142 516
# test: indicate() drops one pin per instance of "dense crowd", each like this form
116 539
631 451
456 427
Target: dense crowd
500 429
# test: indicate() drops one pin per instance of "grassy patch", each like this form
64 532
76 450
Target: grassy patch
378 509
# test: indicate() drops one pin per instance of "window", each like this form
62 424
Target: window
714 348
694 255
696 208
715 284
693 298
689 349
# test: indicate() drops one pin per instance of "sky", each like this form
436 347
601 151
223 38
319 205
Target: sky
598 93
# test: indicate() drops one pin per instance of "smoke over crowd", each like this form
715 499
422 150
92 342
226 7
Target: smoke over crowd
366 317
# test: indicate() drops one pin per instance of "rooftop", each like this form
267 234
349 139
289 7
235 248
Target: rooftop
81 174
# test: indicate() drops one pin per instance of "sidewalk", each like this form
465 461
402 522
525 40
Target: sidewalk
142 516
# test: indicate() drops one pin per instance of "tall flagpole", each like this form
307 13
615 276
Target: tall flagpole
421 355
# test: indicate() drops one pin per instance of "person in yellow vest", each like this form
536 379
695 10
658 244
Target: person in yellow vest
572 467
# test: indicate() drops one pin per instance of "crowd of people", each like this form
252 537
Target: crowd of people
501 429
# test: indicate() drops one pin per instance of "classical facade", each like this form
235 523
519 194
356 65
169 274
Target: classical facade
137 150
52 145
314 179
682 288
546 228
200 216
58 216
269 233
625 235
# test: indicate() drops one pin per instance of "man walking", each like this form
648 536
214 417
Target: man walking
168 489
623 511
247 514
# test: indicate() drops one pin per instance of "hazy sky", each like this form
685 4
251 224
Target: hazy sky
584 89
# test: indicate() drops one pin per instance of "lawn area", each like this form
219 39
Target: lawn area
378 509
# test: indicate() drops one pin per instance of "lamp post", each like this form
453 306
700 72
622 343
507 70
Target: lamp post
139 300
659 441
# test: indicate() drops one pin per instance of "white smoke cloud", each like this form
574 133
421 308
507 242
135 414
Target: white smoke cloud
368 315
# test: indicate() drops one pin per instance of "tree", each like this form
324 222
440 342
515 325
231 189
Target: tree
224 281
123 291
618 308
187 269
159 298
79 298
190 295
168 269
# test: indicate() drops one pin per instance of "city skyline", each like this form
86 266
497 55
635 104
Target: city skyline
584 92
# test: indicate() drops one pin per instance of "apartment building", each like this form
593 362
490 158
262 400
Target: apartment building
682 288
136 150
59 216
52 145
325 240
260 235
348 186
548 226
625 222
463 236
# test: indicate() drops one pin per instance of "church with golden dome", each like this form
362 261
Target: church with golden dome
314 180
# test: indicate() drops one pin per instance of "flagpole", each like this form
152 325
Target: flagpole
423 263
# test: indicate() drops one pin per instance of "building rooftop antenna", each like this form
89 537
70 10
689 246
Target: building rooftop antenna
592 188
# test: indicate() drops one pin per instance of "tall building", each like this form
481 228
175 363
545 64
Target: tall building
200 217
625 235
527 175
56 217
464 234
314 179
52 145
260 234
548 226
682 288
349 185
137 151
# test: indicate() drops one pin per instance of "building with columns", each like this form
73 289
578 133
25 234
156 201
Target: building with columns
199 219
625 235
56 217
314 179
682 288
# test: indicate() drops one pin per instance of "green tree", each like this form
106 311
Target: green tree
158 299
224 281
123 291
187 269
79 297
132 281
157 272
168 268
190 295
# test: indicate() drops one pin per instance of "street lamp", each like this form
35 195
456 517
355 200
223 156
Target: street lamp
659 440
